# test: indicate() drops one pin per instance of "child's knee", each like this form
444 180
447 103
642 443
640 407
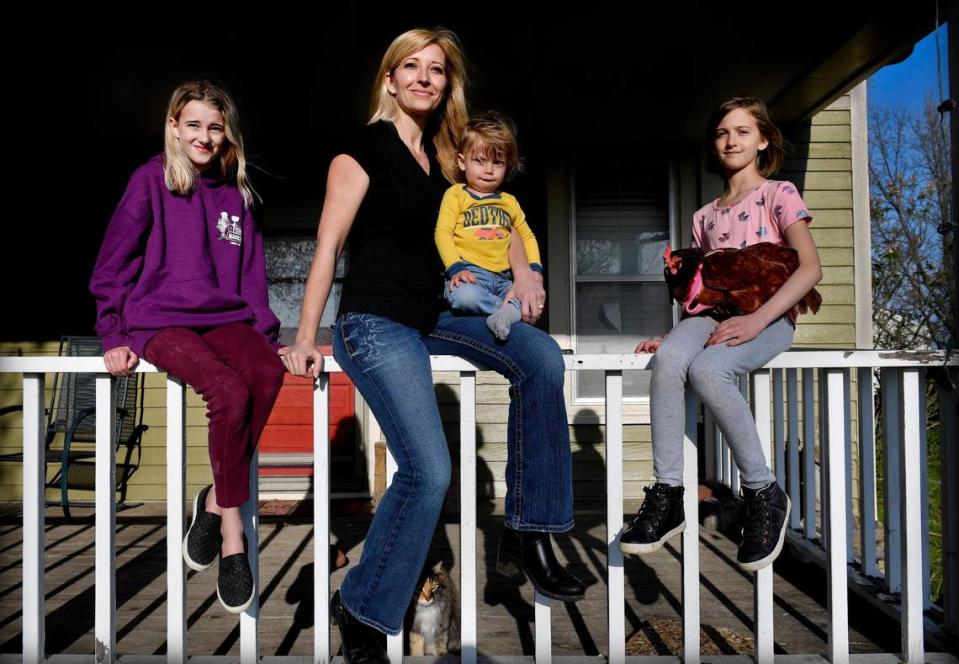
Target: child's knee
466 297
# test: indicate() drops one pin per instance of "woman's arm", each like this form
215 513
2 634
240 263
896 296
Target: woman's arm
527 284
346 186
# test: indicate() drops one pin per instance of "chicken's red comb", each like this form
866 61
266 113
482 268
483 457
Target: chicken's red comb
669 252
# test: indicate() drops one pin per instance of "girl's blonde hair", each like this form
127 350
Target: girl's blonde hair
450 116
178 171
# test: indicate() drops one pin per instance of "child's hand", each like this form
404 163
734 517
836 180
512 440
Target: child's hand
738 329
302 359
461 277
648 346
120 361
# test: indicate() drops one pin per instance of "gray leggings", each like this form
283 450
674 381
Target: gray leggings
712 373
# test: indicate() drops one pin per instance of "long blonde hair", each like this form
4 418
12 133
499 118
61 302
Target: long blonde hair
451 115
178 171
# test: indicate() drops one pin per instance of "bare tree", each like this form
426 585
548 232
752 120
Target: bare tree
911 196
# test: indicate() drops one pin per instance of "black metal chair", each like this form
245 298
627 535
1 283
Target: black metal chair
71 426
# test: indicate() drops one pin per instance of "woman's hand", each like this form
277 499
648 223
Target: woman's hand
528 289
302 359
527 283
120 361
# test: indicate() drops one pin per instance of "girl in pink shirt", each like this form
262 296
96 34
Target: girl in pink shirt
745 148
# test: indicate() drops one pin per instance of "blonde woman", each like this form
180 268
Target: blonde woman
383 192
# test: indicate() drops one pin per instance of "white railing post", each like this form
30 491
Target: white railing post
544 635
321 520
792 414
105 621
911 541
833 433
809 453
34 480
690 560
250 619
824 497
616 588
394 643
468 520
763 588
867 471
892 434
176 652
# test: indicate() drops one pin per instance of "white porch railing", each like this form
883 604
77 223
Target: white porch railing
902 376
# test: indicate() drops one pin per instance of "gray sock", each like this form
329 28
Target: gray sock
500 322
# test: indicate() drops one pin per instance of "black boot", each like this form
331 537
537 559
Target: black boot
531 552
764 526
660 517
362 644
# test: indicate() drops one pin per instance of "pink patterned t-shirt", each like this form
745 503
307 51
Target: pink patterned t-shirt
762 216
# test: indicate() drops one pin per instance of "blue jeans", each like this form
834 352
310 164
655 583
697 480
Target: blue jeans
389 363
485 296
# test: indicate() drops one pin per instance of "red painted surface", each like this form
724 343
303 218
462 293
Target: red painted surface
290 426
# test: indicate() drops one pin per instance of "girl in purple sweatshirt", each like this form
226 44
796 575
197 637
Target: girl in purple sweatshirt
181 281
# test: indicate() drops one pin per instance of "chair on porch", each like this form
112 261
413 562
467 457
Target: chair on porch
71 427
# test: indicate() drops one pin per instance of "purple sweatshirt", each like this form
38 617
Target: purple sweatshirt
168 260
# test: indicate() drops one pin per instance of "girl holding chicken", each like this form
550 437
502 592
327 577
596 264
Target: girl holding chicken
746 148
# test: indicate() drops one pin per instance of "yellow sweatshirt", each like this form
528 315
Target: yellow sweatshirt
474 229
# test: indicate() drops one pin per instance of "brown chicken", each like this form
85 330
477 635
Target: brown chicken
732 282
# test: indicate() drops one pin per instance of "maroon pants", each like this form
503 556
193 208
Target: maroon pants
238 375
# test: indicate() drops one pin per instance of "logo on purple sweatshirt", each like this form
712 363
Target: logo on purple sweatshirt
229 229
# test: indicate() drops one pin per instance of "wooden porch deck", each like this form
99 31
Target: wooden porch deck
505 618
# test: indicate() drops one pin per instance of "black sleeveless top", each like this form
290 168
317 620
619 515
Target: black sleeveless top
394 268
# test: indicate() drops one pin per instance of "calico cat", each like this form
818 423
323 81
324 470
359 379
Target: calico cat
436 617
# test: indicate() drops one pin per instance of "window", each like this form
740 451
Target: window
620 229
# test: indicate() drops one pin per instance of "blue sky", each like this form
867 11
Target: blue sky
908 83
